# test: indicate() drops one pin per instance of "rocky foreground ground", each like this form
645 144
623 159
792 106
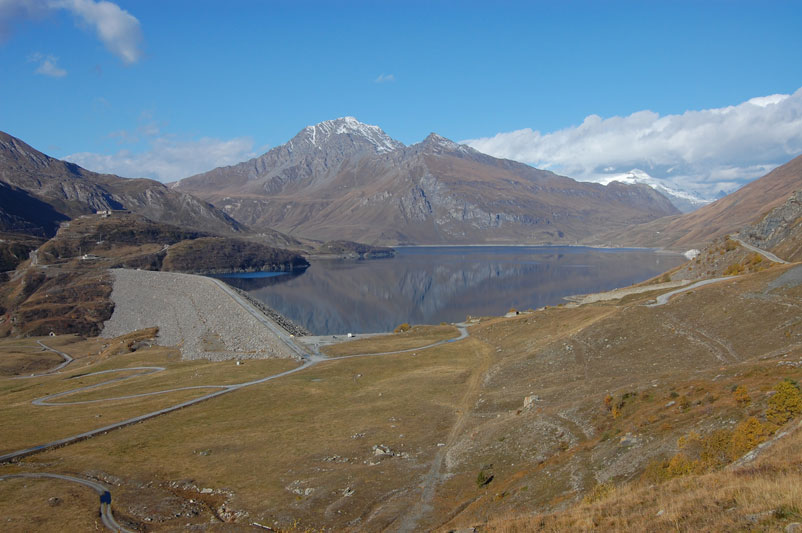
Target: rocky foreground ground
191 312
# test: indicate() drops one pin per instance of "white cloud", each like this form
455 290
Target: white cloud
117 29
47 65
703 151
384 78
167 158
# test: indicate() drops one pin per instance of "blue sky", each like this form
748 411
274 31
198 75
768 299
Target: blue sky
165 89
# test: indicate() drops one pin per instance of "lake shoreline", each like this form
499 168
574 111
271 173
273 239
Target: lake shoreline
434 284
587 246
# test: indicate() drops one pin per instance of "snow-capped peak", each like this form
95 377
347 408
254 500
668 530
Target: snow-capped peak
683 200
320 133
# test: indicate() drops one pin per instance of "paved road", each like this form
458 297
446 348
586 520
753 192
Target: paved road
663 298
106 514
463 333
768 255
66 357
144 371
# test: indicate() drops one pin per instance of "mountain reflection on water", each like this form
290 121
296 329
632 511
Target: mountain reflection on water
429 285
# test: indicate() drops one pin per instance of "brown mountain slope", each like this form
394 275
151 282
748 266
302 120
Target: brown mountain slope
727 215
70 190
65 287
344 179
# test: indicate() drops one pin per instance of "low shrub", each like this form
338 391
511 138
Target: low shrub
785 404
741 396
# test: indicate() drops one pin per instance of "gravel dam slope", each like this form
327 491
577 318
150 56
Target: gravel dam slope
192 313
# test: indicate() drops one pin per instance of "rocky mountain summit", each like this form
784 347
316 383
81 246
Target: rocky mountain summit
344 179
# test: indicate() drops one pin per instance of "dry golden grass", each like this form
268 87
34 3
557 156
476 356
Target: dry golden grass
26 425
27 506
762 496
296 447
24 357
287 428
416 337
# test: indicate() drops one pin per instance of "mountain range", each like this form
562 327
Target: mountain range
345 179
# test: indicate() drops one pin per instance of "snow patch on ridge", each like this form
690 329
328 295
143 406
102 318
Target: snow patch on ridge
350 126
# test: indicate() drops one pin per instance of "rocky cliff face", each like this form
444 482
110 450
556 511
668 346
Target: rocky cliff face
342 179
69 190
780 230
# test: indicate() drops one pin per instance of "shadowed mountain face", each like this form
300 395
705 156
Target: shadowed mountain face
22 213
50 190
342 179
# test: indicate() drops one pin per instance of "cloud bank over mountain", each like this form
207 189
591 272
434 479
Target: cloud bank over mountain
704 151
699 152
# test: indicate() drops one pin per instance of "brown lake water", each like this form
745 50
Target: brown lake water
429 285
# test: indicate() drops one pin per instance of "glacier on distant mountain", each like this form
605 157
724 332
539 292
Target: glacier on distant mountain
683 200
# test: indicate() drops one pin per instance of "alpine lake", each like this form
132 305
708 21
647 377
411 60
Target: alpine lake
433 284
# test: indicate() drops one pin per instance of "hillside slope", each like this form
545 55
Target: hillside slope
49 190
65 287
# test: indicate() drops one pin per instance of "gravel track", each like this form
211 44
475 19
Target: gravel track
191 312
